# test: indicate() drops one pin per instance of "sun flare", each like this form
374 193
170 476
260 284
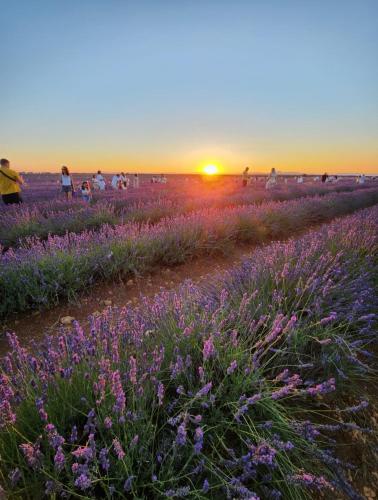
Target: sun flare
210 169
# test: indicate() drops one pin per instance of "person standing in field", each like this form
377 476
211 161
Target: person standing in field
245 176
324 177
116 178
10 183
66 182
135 181
100 180
272 179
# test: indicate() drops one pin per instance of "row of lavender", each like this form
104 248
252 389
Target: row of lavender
234 391
42 273
152 203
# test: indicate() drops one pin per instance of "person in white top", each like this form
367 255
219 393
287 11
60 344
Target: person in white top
66 182
135 181
115 180
100 180
86 191
300 179
272 179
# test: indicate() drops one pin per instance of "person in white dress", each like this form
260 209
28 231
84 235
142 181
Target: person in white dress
135 181
272 179
115 180
101 181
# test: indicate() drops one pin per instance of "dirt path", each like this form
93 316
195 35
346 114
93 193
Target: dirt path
35 324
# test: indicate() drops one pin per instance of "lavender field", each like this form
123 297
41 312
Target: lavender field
254 385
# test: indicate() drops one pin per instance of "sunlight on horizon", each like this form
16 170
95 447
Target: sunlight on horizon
210 169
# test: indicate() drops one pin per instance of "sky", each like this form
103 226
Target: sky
170 85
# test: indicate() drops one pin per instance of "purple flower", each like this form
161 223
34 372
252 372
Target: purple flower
310 481
32 454
15 476
134 441
160 393
232 367
205 486
324 388
83 482
118 449
181 434
133 370
128 483
208 349
198 438
205 390
108 423
103 459
59 459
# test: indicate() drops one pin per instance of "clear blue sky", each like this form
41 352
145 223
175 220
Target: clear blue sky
169 85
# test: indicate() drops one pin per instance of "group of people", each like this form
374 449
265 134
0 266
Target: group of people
122 181
97 183
272 178
158 179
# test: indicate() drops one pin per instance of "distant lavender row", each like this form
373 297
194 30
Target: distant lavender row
224 392
41 273
152 203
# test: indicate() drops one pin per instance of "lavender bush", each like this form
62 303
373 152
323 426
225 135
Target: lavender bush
41 273
222 392
151 203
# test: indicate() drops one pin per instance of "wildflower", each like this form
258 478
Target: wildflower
133 370
160 393
59 459
198 438
128 483
15 476
310 481
232 367
118 393
208 349
324 388
355 409
32 454
205 486
83 482
134 441
118 449
73 436
205 390
108 423
181 434
84 452
104 460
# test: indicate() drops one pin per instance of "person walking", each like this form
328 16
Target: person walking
10 183
66 182
245 176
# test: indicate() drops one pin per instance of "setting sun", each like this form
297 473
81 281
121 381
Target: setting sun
210 169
